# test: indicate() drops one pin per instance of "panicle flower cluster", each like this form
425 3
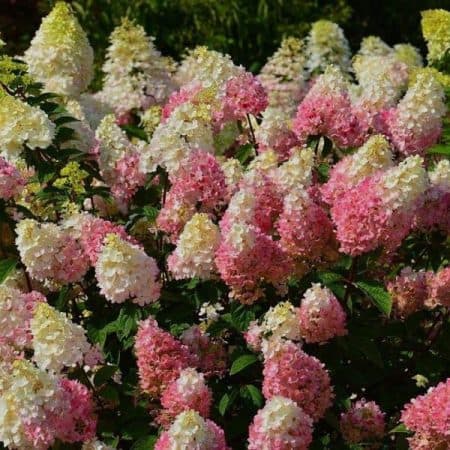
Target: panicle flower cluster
50 252
60 56
208 354
22 124
439 288
191 431
280 425
195 251
325 45
408 291
57 341
124 271
283 74
321 316
416 122
296 173
11 180
379 210
372 156
160 357
279 323
428 416
290 372
275 133
327 110
436 31
373 46
363 422
136 75
188 392
39 407
206 67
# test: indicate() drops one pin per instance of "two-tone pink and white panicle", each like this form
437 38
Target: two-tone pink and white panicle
160 357
433 214
305 230
191 431
59 55
439 288
136 75
290 372
416 122
363 422
11 180
408 291
246 258
188 392
50 252
321 316
22 124
38 408
57 341
16 311
280 425
379 210
428 417
327 110
124 271
279 323
283 74
118 159
196 248
275 133
326 45
374 155
208 354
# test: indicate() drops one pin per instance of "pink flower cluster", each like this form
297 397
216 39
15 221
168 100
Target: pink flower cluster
160 357
363 422
11 180
428 416
293 374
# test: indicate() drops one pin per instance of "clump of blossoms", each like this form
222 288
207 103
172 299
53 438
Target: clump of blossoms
283 74
160 357
22 124
379 210
435 30
290 372
327 110
124 271
57 341
325 45
188 392
136 75
60 56
11 180
428 417
321 315
363 422
439 288
416 122
196 247
191 430
282 425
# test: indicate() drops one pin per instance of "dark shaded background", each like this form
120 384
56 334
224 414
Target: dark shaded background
249 30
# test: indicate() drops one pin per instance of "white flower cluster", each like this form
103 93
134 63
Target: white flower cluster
96 445
326 44
296 172
136 75
196 247
440 175
60 56
124 271
22 124
57 341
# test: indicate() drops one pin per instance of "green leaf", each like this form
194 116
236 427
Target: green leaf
64 119
224 404
439 149
6 267
330 277
255 395
399 429
244 153
134 131
145 443
378 294
104 374
242 362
